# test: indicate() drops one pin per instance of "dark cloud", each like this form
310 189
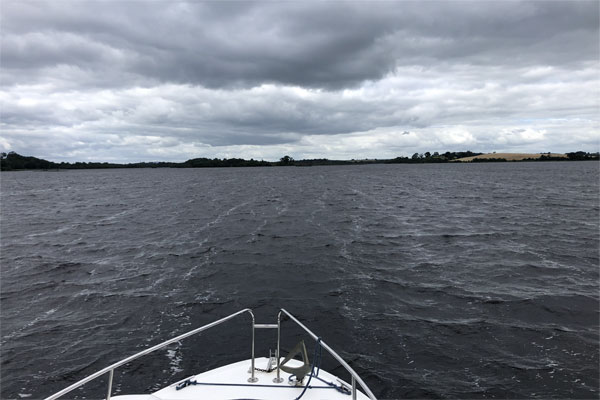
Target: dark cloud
329 45
170 80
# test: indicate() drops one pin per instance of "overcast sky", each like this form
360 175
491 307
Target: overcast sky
170 80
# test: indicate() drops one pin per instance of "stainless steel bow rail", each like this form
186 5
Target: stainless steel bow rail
111 368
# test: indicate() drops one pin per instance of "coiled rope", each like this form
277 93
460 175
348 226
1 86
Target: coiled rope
317 363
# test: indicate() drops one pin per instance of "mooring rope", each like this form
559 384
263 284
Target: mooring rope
316 364
189 382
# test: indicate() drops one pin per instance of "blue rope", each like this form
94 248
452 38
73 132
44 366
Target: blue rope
312 370
318 356
189 382
342 389
316 363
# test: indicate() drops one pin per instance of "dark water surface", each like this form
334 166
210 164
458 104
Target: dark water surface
461 281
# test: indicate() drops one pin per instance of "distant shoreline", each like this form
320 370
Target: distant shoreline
16 162
515 157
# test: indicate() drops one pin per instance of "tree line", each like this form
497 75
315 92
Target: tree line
435 157
13 161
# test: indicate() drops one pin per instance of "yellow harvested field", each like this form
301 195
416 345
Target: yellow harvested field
511 156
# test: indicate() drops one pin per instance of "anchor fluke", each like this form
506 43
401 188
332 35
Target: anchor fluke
301 371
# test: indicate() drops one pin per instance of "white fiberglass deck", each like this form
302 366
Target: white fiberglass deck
241 380
232 383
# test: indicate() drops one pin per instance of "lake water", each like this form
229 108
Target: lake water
460 281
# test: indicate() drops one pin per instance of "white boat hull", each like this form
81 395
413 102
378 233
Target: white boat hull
231 382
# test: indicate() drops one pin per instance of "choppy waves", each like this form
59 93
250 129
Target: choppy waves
463 281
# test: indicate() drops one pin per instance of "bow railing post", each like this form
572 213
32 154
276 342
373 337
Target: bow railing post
278 379
252 378
110 380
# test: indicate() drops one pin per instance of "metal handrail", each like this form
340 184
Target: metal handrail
355 377
112 367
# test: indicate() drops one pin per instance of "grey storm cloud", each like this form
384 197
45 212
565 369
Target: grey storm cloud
317 45
172 79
